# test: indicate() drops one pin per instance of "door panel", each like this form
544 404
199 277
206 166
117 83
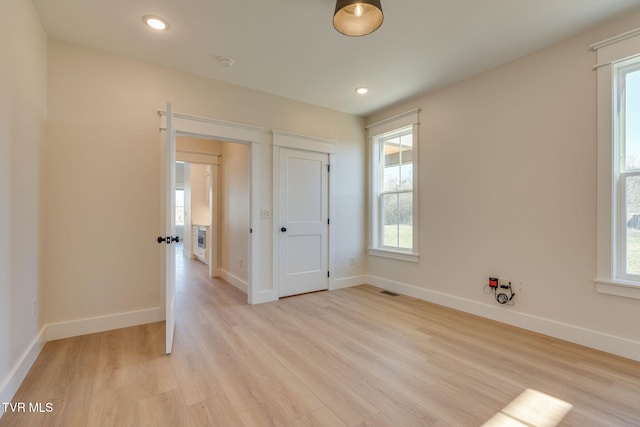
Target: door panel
305 254
304 189
304 194
170 229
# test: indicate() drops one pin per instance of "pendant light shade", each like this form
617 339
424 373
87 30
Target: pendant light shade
357 17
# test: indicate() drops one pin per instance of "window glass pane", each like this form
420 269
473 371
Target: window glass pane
407 139
406 162
390 235
406 174
391 165
391 178
632 190
398 163
397 211
632 119
405 220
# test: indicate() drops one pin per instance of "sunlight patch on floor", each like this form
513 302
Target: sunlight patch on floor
531 409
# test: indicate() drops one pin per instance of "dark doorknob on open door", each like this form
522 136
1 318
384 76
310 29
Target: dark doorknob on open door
168 240
283 229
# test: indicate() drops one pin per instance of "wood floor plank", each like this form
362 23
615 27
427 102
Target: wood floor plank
165 410
265 417
196 379
352 357
387 399
348 405
322 417
270 375
379 420
115 408
214 412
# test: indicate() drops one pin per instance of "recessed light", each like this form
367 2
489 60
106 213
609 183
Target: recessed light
361 90
155 22
225 62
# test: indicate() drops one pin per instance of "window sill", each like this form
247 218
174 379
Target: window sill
402 256
618 287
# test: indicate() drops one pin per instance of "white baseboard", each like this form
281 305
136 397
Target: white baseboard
347 282
575 334
73 328
10 385
234 280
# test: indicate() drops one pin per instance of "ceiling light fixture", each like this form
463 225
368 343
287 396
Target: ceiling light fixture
155 22
357 17
361 90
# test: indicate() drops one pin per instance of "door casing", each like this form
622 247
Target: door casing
208 128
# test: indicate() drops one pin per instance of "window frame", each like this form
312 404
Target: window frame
611 277
378 133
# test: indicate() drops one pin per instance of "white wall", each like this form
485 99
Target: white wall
200 212
23 91
102 259
508 188
234 213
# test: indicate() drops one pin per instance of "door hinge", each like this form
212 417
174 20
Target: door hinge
328 167
251 231
328 221
328 274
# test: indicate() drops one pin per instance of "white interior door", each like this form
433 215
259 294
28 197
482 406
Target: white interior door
304 222
170 229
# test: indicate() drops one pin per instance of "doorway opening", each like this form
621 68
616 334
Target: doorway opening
174 125
214 179
236 134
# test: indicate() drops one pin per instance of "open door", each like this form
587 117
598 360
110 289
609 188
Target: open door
170 228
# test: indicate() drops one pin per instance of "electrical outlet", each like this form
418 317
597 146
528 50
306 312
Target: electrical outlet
352 260
240 263
265 213
502 281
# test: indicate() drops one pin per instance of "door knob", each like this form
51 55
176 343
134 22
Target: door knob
176 239
164 239
283 229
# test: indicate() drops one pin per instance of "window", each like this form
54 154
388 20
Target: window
179 206
395 181
394 203
626 117
618 233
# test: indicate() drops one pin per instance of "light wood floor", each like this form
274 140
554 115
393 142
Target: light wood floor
353 357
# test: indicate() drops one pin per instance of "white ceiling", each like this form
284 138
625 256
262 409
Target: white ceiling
289 47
